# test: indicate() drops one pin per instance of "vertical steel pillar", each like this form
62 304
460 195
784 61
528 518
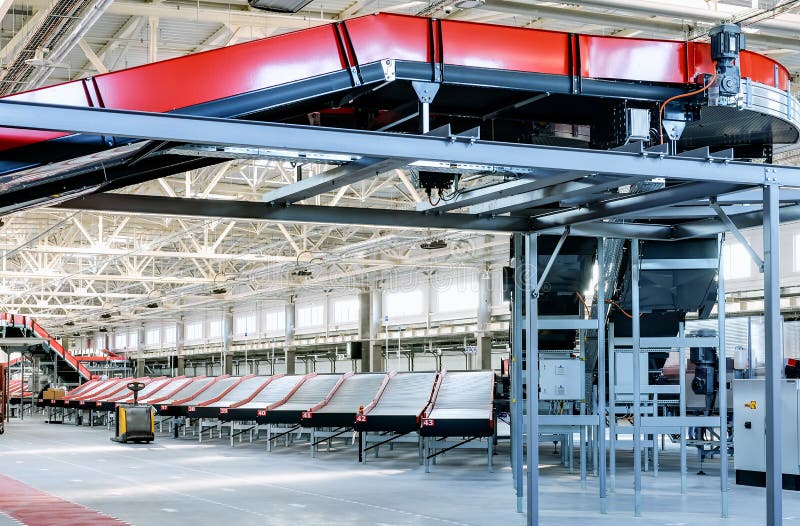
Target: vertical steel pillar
612 410
682 405
601 374
774 352
722 388
532 363
517 432
637 387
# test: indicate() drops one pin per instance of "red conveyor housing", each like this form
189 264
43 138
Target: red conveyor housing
357 73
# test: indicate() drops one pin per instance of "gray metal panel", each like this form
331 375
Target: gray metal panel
355 391
406 394
313 391
240 392
464 395
274 392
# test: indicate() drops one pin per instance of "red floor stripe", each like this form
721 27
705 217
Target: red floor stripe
34 507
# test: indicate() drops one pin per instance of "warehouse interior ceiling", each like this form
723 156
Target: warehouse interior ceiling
85 269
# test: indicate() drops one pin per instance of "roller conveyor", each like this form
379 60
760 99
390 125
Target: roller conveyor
462 406
400 406
278 391
204 389
340 407
245 390
310 393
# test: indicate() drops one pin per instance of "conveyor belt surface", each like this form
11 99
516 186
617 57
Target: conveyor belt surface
85 388
399 407
463 405
311 392
356 391
273 393
244 390
188 389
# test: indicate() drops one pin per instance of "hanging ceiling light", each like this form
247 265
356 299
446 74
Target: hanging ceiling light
434 244
281 6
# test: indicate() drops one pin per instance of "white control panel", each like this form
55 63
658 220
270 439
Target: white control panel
749 425
561 379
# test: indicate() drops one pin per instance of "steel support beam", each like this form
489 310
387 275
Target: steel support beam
532 380
517 432
710 227
601 375
333 179
551 261
158 205
227 132
637 387
646 201
774 354
737 234
722 384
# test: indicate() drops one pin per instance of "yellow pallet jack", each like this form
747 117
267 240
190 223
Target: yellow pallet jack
134 422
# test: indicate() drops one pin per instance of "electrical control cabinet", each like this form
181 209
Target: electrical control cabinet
561 379
749 432
623 377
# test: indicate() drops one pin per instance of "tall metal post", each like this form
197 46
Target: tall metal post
774 352
637 387
532 383
601 374
682 407
722 387
517 432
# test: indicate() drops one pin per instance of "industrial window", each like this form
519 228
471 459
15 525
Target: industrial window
193 331
737 261
244 323
214 329
310 316
100 342
152 336
170 334
346 310
275 321
399 304
133 339
457 295
120 340
796 262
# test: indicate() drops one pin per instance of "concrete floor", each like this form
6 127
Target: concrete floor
183 482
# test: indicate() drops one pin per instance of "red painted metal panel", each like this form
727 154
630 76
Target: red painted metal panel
632 59
220 73
509 48
377 37
762 69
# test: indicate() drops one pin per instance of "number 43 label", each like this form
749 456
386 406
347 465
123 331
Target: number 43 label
427 422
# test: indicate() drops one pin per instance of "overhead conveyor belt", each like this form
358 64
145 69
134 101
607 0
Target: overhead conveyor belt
400 405
462 406
197 391
359 73
339 409
311 392
277 392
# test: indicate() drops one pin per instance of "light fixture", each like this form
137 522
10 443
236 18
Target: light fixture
281 6
434 244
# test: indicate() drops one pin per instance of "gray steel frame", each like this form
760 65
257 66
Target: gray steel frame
688 178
